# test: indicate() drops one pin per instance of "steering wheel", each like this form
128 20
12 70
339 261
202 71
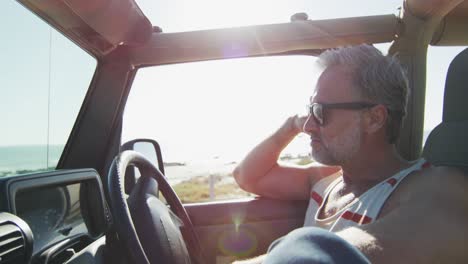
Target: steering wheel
149 230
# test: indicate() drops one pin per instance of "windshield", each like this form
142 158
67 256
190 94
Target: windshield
186 15
44 80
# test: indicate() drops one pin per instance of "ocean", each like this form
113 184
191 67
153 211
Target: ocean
16 159
28 158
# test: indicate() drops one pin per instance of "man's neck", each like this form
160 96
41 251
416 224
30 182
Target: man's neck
367 170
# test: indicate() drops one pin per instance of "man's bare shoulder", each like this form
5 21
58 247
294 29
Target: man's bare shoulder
424 221
446 183
445 179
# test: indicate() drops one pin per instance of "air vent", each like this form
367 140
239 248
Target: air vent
16 241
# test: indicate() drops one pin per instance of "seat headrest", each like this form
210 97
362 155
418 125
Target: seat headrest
447 144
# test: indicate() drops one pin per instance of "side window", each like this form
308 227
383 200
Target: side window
206 116
44 80
438 61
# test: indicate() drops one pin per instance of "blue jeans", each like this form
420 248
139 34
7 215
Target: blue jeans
312 245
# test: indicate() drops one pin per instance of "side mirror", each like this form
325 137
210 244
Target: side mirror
149 148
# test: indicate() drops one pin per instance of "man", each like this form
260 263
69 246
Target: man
389 208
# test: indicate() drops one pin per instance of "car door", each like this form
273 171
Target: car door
240 229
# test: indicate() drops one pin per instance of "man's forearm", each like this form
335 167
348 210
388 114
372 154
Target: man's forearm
264 156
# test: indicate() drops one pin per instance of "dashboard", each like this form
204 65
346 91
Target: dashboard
63 212
53 213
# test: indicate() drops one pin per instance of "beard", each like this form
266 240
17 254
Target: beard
339 150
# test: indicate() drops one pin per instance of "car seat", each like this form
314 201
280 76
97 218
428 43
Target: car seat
447 144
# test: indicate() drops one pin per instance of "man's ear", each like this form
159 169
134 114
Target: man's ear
376 118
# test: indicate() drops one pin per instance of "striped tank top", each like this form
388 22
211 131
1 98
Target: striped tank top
361 211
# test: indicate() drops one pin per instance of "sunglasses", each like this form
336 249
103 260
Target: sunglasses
317 109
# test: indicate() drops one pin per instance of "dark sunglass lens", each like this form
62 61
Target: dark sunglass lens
318 113
310 109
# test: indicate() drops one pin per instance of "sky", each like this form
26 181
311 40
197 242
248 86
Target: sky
38 64
50 74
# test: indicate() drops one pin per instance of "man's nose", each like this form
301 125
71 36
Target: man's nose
311 125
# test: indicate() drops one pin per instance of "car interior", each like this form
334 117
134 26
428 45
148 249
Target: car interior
106 200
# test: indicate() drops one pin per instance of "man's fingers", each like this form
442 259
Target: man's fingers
300 122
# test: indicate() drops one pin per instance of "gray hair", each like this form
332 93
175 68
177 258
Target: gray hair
378 78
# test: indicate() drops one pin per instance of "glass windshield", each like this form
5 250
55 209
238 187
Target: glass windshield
186 15
44 80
